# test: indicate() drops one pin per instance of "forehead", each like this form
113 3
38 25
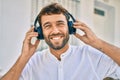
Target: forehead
53 18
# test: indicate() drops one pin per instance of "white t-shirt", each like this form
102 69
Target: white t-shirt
77 63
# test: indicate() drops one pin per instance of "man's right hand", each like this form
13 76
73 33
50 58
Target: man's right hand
28 48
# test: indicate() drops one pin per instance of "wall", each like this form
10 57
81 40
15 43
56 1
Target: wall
0 15
104 24
15 21
0 29
116 5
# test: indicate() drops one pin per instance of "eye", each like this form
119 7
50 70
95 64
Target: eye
60 24
47 26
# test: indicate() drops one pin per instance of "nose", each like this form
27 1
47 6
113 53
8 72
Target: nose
55 29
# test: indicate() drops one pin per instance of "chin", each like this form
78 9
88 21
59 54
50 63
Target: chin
57 47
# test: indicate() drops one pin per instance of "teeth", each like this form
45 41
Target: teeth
56 38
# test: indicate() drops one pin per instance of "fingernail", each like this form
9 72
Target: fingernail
32 26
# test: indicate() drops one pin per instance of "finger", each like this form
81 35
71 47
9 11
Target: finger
30 35
76 20
32 26
80 24
78 36
81 28
31 29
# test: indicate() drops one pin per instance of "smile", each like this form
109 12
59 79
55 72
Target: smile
56 38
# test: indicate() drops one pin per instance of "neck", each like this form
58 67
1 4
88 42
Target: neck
57 53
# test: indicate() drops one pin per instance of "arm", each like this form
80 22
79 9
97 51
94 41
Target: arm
28 50
90 38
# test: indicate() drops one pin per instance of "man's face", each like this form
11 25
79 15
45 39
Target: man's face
55 30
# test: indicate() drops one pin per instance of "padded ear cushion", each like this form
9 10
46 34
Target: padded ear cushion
72 30
40 34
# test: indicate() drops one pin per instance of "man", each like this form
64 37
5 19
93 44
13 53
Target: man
63 61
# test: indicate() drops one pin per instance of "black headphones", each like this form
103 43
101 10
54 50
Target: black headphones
38 28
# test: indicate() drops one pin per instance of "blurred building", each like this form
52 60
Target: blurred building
100 15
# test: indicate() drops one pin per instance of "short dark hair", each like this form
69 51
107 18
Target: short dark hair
53 8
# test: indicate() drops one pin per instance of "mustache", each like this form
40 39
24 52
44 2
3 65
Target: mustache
58 34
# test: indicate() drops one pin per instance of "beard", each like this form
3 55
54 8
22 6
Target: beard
57 45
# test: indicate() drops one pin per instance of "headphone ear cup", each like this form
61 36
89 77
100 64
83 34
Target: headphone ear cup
72 30
40 34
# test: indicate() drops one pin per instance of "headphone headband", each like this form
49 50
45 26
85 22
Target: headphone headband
35 23
71 17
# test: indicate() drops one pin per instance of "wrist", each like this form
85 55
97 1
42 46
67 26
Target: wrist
25 56
98 44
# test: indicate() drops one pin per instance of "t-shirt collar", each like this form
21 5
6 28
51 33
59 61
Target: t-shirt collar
63 55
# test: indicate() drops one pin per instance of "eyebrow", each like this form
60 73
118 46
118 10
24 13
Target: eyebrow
59 21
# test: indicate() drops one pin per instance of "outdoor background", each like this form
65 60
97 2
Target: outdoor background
16 16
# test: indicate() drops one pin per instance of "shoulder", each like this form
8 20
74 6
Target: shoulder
36 59
39 54
89 51
80 47
33 63
84 49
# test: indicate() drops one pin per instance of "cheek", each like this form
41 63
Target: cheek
65 29
45 33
